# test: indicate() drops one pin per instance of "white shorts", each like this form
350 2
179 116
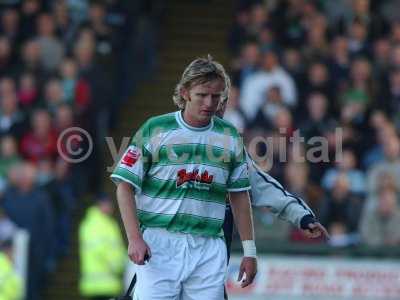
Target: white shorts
182 267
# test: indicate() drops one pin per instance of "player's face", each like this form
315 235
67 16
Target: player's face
202 102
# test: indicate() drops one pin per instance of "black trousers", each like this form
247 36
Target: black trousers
101 298
228 233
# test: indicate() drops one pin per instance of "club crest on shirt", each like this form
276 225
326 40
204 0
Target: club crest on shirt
194 179
130 157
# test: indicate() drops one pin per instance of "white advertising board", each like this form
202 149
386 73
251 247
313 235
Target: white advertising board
293 277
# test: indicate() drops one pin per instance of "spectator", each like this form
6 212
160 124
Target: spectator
390 164
271 74
379 224
53 95
9 157
11 118
317 112
28 91
102 252
246 65
29 208
40 142
51 48
7 228
341 207
347 165
233 113
6 59
11 283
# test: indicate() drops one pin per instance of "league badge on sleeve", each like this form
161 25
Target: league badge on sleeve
130 157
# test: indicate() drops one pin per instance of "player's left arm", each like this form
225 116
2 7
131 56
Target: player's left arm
268 192
241 209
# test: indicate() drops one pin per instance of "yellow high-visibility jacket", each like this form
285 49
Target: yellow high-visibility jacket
10 283
103 255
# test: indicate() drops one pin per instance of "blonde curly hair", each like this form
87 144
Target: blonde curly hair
200 71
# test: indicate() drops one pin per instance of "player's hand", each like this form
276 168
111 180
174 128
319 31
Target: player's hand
316 230
248 267
139 251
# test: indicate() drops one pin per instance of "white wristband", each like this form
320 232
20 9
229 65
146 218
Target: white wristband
249 248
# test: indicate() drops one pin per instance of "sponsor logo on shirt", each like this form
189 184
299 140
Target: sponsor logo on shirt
130 157
201 181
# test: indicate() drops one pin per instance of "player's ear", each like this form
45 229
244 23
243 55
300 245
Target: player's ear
185 94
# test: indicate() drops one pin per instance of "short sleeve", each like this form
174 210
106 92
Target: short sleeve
239 176
135 161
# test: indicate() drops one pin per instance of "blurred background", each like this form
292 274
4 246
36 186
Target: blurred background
107 65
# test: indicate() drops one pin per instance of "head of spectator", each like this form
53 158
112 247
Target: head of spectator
10 22
292 60
266 38
348 161
53 93
360 72
318 75
394 82
340 49
381 51
7 87
9 105
269 60
317 38
61 169
249 55
23 177
387 202
61 15
391 148
64 117
361 7
27 89
234 94
105 204
84 51
5 51
45 25
97 13
386 181
395 56
9 156
274 96
258 18
41 124
31 54
8 147
317 107
45 172
296 177
68 69
395 32
341 188
283 121
378 120
358 34
30 7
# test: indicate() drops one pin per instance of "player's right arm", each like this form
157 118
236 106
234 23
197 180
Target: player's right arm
137 247
129 175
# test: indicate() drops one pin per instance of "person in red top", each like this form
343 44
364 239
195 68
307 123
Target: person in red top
40 142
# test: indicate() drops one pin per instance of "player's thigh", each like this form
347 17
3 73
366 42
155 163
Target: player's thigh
159 279
207 280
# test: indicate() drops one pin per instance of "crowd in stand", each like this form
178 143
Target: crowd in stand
328 69
63 63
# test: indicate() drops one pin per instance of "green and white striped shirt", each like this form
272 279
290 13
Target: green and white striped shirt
182 174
